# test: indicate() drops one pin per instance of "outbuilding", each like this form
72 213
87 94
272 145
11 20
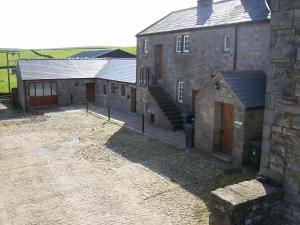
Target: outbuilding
103 53
229 113
60 82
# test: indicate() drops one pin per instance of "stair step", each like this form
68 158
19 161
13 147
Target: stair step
166 104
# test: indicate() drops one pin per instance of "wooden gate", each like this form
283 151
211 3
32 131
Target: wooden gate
90 92
227 128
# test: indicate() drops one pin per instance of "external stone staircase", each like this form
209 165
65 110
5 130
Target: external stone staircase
166 104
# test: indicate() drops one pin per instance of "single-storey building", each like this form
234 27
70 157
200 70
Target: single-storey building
60 82
103 53
230 112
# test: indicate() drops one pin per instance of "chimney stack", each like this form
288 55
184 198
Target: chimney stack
205 2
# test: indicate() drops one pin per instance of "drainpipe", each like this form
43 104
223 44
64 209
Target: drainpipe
235 47
25 95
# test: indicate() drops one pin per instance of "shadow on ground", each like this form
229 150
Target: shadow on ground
193 170
7 111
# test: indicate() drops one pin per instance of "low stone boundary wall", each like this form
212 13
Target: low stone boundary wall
246 203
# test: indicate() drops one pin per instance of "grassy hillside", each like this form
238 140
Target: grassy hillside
57 53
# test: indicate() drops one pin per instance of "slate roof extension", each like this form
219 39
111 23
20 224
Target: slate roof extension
249 86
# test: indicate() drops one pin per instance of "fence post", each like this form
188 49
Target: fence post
87 107
143 123
108 112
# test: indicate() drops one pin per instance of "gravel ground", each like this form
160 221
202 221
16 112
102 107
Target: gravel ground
74 168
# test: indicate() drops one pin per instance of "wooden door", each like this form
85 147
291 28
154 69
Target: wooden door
227 128
133 100
90 92
194 95
158 60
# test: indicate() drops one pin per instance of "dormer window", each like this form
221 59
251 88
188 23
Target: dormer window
226 43
146 46
186 43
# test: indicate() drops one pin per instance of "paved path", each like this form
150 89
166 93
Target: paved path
67 167
134 121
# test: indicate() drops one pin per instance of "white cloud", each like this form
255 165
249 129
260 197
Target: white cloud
68 23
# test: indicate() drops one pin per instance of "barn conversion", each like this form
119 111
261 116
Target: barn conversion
59 82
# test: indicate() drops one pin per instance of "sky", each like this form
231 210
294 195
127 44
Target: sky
73 23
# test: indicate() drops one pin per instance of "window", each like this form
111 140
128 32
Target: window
54 88
146 46
104 90
113 88
145 77
180 91
31 89
47 89
178 43
123 90
226 43
41 89
186 43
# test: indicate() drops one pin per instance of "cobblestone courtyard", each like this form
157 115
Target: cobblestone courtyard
74 168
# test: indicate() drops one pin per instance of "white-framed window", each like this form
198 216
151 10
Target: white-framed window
186 43
180 91
53 88
40 89
226 43
146 46
47 89
178 43
31 89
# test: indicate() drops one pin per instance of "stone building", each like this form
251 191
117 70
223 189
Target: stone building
281 145
280 162
177 55
60 82
230 112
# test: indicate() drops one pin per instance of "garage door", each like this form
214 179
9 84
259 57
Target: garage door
43 93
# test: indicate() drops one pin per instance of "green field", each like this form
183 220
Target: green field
56 53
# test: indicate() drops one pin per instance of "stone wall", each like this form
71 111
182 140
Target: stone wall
246 203
66 88
146 101
115 100
254 120
206 55
281 147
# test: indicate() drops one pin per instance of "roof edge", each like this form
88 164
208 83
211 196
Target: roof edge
139 34
201 28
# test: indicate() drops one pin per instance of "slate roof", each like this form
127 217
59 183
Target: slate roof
110 53
123 70
92 53
208 14
249 86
